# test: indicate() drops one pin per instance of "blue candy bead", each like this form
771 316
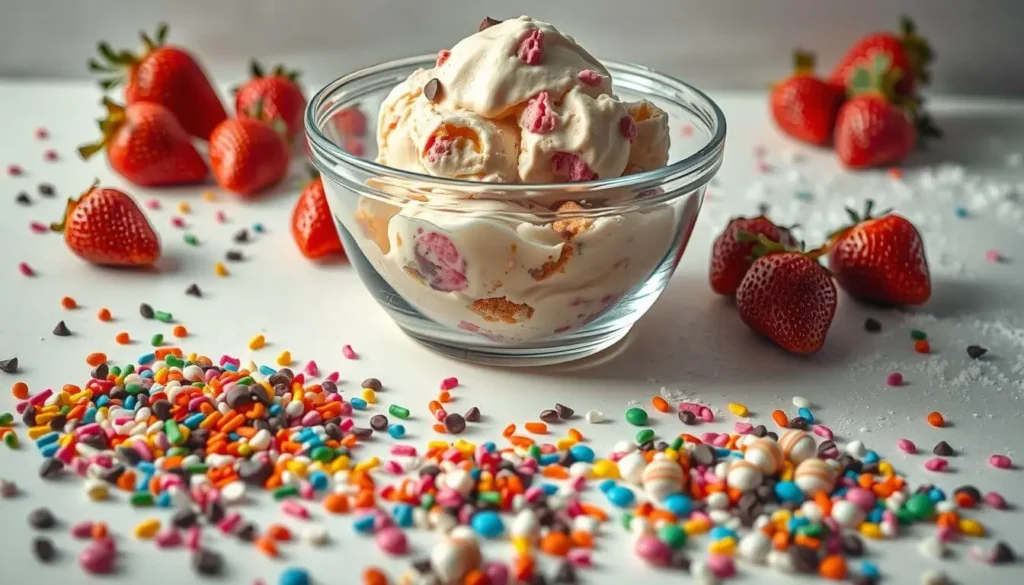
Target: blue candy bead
403 515
788 491
620 496
806 414
396 431
678 504
582 453
487 524
294 576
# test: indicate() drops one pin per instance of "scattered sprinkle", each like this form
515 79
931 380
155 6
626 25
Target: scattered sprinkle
1000 461
348 352
220 270
894 379
935 419
104 315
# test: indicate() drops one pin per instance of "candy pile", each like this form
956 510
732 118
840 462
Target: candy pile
192 435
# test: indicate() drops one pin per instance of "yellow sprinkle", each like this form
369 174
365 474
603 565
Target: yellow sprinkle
367 465
219 269
36 432
45 418
244 450
184 207
726 546
369 396
284 358
787 472
781 515
209 195
147 528
340 464
870 530
738 409
971 527
192 356
885 468
464 445
97 492
521 544
257 342
564 444
692 527
65 440
438 445
671 454
297 467
605 469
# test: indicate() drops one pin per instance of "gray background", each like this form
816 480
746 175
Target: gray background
721 44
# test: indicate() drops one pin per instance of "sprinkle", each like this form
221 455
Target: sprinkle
193 290
918 334
221 216
976 351
258 228
25 269
46 190
449 383
473 414
23 199
177 222
1000 461
907 446
780 418
147 528
936 464
234 256
153 204
163 316
38 227
537 428
872 325
122 338
935 419
257 342
993 256
14 170
104 315
61 330
564 412
399 411
284 358
184 207
220 270
311 369
995 500
191 240
95 359
894 379
42 133
922 346
636 416
179 331
50 155
157 339
961 212
943 449
660 404
348 352
738 409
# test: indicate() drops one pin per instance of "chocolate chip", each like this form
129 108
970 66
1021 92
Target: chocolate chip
9 366
57 422
215 512
1003 553
246 532
184 519
373 384
433 90
193 290
852 545
238 397
549 416
488 22
703 455
805 560
242 236
472 415
47 190
759 431
799 423
161 409
379 422
50 468
828 450
329 387
687 417
61 330
23 199
362 433
100 372
146 311
41 519
772 435
942 449
254 472
234 256
680 560
976 351
43 548
564 412
454 423
207 562
872 325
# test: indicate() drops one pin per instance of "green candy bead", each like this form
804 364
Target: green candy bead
672 535
636 416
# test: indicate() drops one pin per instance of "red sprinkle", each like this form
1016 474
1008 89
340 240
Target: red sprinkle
348 352
538 116
50 155
42 133
442 56
38 227
221 217
531 48
153 203
569 165
1000 461
449 383
14 170
894 379
628 128
177 222
25 269
936 464
590 77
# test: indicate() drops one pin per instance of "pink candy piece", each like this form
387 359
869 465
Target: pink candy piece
539 117
348 352
333 377
403 450
894 379
168 538
192 537
14 170
531 48
993 256
311 369
221 217
306 490
907 446
294 509
82 529
722 566
1000 461
440 263
25 269
653 550
177 222
995 500
97 560
50 155
497 573
42 133
572 167
743 428
392 466
628 128
392 541
449 383
38 227
442 56
590 77
230 522
823 432
153 204
579 557
721 440
936 464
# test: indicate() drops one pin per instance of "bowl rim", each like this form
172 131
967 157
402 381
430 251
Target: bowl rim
706 158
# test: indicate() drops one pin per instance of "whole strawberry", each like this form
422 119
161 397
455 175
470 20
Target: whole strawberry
872 129
166 75
805 106
105 226
788 297
732 255
908 53
881 260
146 144
280 95
248 155
312 223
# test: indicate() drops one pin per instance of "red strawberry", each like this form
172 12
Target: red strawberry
908 53
350 121
248 155
280 95
105 226
312 223
871 132
788 297
805 106
166 75
146 144
881 260
731 257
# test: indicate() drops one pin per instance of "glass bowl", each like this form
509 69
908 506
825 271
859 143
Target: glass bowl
495 282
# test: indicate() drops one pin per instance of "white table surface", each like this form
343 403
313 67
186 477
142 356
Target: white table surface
692 343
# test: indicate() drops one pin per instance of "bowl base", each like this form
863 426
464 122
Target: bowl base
533 355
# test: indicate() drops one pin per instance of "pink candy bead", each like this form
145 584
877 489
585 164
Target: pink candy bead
653 550
449 383
995 500
823 432
579 557
333 377
153 204
97 559
403 450
348 352
25 269
722 566
177 222
38 227
1000 461
743 428
894 379
168 538
907 446
82 529
294 509
230 522
392 541
192 537
936 464
311 369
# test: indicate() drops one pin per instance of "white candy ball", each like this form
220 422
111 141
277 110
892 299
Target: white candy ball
847 514
754 547
661 478
455 556
744 476
797 446
631 467
813 476
717 501
765 454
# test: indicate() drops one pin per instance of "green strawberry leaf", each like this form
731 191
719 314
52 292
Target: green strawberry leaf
161 33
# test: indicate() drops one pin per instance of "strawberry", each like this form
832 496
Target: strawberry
880 260
280 95
787 297
105 226
166 75
805 106
248 155
731 257
312 223
146 145
908 53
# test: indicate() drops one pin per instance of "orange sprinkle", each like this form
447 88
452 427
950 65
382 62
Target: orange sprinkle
922 346
520 441
104 314
336 503
935 419
594 511
537 428
582 539
179 331
374 576
439 428
509 430
364 499
780 540
556 472
99 531
575 435
123 338
279 533
832 567
807 541
660 404
444 396
434 406
663 516
894 173
19 390
267 547
522 568
555 543
68 303
95 359
475 577
780 418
